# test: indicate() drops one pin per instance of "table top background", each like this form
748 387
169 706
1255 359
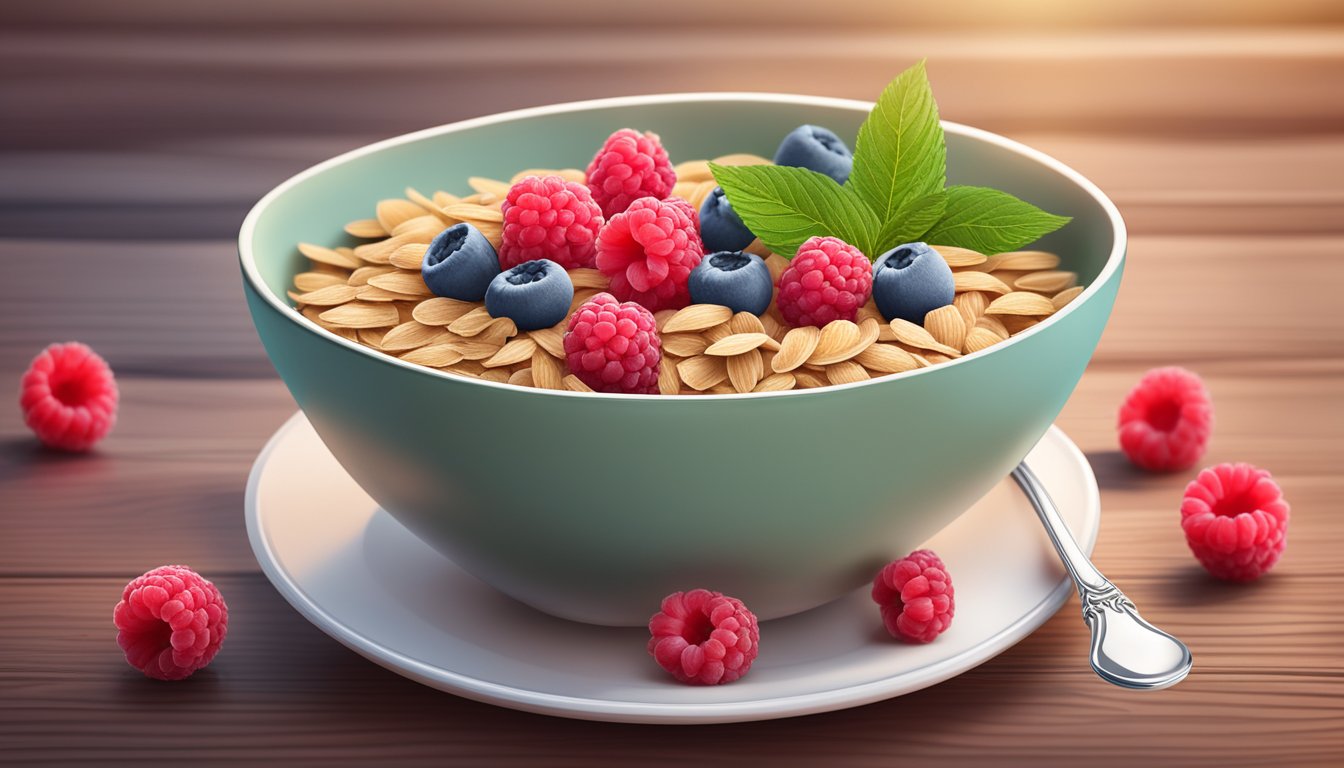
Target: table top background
134 141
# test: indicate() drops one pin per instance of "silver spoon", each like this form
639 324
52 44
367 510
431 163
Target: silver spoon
1126 650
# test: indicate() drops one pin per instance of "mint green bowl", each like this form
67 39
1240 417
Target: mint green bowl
593 507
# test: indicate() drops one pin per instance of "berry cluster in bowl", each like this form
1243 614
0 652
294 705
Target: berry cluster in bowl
741 274
637 276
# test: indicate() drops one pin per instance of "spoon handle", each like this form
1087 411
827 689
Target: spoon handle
1126 649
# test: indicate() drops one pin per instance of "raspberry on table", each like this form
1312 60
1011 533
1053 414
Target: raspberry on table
916 597
546 217
648 251
703 637
630 165
828 279
1166 420
69 397
1235 520
170 622
614 347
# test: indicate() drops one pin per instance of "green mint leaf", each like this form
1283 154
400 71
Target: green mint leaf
900 158
990 221
910 225
785 206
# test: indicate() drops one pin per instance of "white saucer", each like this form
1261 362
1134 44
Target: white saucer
352 570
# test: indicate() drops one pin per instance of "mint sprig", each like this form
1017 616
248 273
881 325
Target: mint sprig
914 220
990 221
785 206
900 161
896 192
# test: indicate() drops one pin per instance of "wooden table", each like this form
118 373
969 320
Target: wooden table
134 141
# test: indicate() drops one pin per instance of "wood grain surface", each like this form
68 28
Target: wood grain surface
134 141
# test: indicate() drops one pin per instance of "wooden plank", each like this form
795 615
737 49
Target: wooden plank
280 690
1283 418
143 87
177 468
1300 170
160 308
1193 299
1162 186
166 485
757 14
1228 186
152 309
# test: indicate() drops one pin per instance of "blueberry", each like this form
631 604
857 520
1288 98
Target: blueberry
460 263
811 146
534 295
734 279
911 280
721 229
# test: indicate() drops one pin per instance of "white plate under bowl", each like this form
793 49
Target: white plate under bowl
362 578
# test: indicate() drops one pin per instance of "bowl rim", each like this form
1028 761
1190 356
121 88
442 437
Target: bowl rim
252 274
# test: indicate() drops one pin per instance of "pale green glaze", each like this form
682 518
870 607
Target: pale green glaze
592 507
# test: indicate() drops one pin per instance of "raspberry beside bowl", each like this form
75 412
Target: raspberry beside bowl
593 507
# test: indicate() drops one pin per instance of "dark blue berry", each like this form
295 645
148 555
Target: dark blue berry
811 146
534 295
460 263
721 229
911 280
734 279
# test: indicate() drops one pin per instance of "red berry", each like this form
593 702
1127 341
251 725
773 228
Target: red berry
170 622
916 597
703 637
827 280
630 165
648 251
688 209
1166 420
614 347
549 218
1235 520
69 397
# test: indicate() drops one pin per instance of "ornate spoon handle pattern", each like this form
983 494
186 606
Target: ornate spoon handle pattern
1126 649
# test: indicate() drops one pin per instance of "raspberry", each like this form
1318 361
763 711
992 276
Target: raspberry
1166 419
170 622
69 397
546 217
689 210
916 596
614 347
630 165
648 251
1235 520
703 637
827 280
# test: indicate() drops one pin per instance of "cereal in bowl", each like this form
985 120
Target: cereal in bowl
756 275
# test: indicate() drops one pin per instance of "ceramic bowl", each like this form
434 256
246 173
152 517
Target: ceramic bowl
592 507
